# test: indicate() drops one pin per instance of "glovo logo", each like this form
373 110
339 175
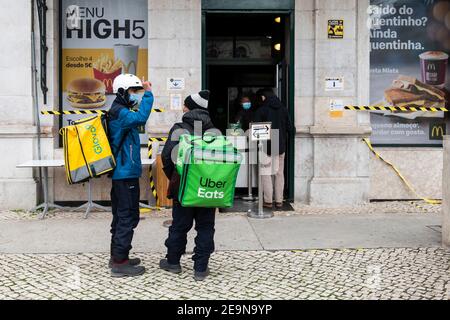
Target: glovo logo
95 142
437 131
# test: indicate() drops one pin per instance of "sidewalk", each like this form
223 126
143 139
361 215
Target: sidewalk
233 232
301 256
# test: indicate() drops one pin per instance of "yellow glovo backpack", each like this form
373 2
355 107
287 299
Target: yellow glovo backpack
87 153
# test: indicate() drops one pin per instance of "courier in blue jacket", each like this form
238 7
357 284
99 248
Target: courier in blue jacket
125 144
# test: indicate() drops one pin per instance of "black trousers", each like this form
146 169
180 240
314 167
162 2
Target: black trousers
183 219
125 209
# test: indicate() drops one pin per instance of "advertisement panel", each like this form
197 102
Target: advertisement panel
410 43
99 40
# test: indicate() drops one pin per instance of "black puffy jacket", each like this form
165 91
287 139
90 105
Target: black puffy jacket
272 110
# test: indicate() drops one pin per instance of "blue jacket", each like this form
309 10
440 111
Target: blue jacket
121 121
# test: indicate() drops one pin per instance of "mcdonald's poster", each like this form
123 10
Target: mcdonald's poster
100 39
409 51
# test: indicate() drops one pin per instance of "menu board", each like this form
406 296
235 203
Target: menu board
410 44
100 40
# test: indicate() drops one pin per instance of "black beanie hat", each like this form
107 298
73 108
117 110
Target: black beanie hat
197 100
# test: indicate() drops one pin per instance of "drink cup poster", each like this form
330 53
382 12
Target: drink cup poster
100 40
410 45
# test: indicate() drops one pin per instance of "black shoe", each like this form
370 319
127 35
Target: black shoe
201 275
165 265
267 205
132 262
126 270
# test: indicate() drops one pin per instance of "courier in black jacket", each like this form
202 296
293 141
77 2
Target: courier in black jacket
196 118
272 110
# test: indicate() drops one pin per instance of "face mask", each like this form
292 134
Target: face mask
246 105
135 98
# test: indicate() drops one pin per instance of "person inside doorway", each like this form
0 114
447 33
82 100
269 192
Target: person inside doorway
272 110
244 114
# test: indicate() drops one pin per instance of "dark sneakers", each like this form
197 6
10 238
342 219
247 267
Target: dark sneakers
165 265
200 276
267 205
125 269
133 262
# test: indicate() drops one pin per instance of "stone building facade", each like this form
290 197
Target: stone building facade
332 166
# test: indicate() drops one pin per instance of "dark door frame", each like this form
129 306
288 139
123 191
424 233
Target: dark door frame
290 81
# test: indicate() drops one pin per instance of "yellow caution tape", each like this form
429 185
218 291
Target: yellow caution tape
58 113
392 108
410 187
150 169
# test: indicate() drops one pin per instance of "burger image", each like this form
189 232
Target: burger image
86 93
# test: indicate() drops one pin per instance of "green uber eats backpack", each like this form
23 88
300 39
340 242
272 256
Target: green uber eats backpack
208 167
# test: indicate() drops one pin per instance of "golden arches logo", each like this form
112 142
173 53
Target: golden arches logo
126 68
437 132
108 82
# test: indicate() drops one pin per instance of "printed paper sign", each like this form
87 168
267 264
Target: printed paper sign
175 84
175 102
336 108
335 29
334 84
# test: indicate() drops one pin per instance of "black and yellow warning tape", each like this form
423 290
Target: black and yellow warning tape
67 112
393 108
150 168
401 176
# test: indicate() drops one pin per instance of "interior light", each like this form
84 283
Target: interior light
277 46
278 19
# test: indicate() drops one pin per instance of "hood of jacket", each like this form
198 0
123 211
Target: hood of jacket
273 102
192 116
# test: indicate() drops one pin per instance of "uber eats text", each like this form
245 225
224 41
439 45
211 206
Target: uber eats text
210 184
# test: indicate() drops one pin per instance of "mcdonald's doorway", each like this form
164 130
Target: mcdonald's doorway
244 51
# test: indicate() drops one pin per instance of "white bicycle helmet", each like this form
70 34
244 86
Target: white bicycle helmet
127 81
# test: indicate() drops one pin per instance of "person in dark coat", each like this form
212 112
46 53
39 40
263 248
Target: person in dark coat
196 120
272 110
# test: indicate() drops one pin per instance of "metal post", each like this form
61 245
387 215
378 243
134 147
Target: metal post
260 214
250 196
260 188
446 194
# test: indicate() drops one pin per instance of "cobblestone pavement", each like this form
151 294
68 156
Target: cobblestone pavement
315 274
300 209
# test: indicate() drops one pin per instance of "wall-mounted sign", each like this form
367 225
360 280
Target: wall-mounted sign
260 131
336 108
175 102
334 84
409 66
335 29
175 83
100 40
